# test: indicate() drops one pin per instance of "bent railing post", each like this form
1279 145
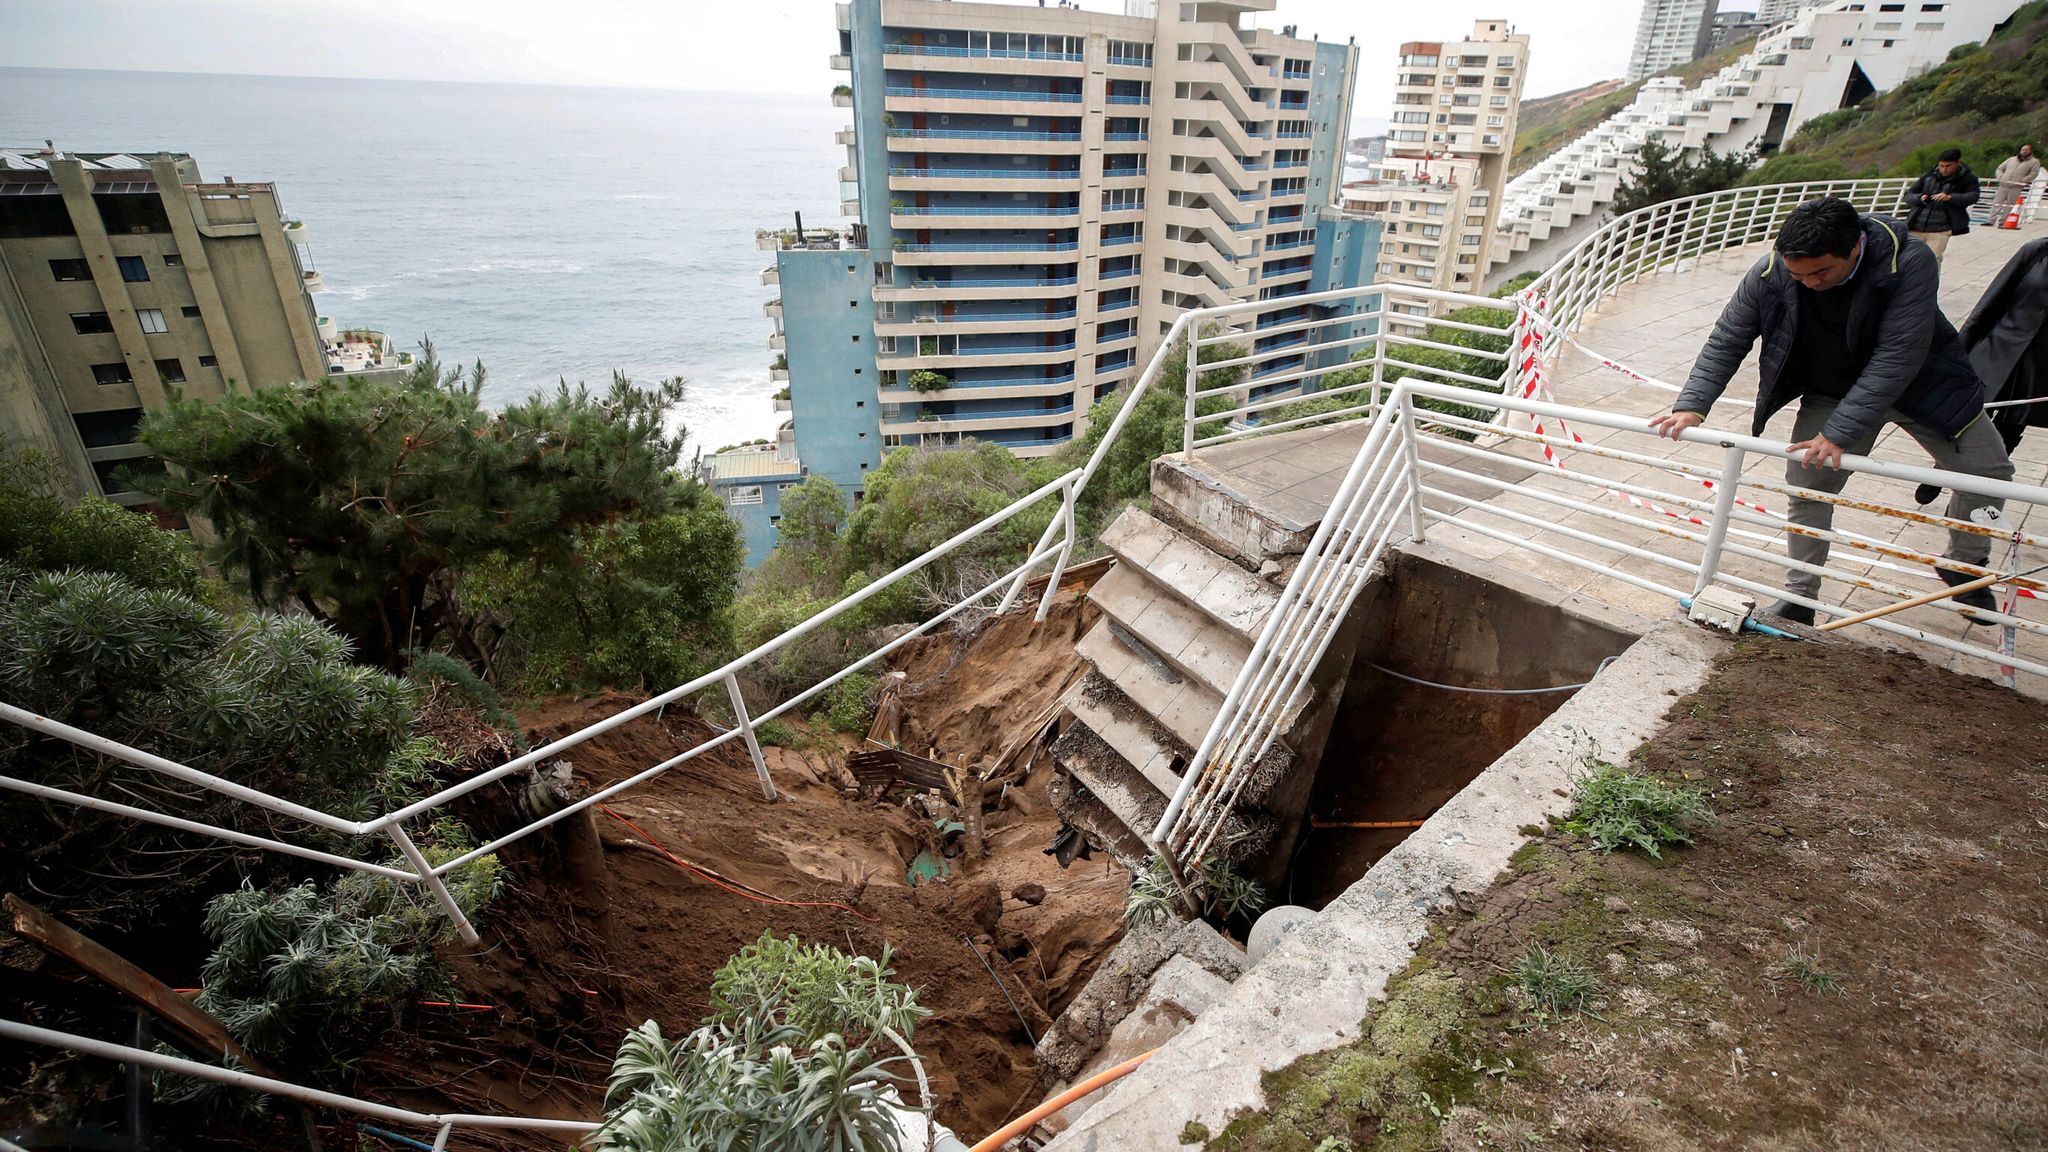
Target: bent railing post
1724 508
1065 517
432 880
745 724
1409 451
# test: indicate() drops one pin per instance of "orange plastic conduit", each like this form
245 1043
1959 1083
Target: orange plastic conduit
1023 1123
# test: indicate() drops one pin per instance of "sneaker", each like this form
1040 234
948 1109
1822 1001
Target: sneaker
1925 494
1787 610
1980 599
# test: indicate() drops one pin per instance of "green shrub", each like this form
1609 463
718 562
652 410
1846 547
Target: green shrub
269 702
1616 808
41 532
926 380
1220 892
785 1060
850 704
306 979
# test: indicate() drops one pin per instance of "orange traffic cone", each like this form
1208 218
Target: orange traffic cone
2012 218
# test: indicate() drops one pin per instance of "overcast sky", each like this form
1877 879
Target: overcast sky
755 46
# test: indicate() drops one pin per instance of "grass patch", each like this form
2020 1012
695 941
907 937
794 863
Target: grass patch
1802 969
1552 982
1388 1090
1616 808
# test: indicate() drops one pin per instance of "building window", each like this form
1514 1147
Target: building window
189 311
133 269
152 319
170 371
173 260
1927 26
856 339
106 429
748 494
1505 62
209 361
70 270
87 323
112 374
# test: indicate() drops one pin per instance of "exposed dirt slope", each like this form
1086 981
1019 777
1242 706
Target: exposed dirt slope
649 950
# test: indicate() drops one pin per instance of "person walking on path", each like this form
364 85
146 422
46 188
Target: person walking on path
1846 307
1938 204
2015 175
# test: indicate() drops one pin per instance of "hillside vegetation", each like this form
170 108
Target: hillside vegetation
1547 123
1986 99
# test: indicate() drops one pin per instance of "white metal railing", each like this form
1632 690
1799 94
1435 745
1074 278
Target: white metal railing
1655 536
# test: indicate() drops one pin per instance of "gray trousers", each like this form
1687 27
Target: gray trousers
1977 452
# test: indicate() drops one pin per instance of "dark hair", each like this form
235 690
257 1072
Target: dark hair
1949 156
1829 226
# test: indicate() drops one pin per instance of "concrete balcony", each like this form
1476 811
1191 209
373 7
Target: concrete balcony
777 342
843 136
779 375
978 422
840 62
313 280
297 231
773 310
983 180
849 208
904 217
912 255
781 404
977 100
992 288
1060 353
905 141
842 99
770 276
1020 388
1061 320
984 62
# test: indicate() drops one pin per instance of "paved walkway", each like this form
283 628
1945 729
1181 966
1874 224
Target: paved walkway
1657 326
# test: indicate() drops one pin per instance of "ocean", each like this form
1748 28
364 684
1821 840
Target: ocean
551 232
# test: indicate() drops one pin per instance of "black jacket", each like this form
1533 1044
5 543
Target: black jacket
1926 214
2002 338
1904 350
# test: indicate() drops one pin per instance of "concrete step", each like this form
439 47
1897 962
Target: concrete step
1122 804
1196 645
1134 735
1182 706
1197 575
1226 520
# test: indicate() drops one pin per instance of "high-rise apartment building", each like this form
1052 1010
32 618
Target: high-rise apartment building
1451 135
1041 191
123 277
1670 34
1733 27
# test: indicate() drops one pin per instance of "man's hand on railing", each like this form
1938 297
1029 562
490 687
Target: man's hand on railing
1819 451
1676 423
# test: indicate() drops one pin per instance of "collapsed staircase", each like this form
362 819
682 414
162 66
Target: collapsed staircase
1194 584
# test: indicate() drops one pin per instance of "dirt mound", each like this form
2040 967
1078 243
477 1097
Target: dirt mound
644 935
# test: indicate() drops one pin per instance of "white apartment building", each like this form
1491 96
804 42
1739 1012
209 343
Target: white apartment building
1451 133
1829 57
1041 191
1670 34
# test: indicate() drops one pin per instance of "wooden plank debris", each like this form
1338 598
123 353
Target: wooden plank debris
206 1035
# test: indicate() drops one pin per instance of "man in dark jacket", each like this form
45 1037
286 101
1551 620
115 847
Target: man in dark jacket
1850 326
1937 206
2003 340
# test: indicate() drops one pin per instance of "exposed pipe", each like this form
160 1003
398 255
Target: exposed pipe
1022 1124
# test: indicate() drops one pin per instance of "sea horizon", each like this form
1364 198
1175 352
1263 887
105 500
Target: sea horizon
552 231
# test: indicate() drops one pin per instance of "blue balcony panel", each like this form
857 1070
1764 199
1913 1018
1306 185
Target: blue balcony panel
989 94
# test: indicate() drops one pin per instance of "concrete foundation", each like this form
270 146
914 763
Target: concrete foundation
1315 987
